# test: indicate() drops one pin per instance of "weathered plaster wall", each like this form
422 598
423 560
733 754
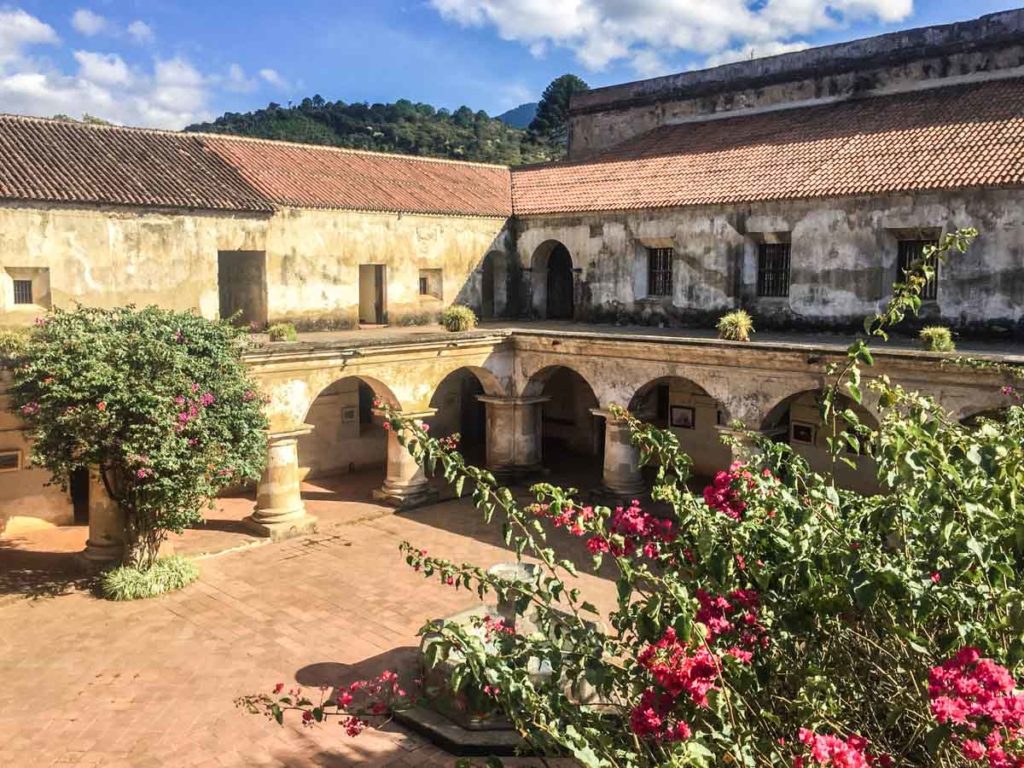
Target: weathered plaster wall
843 259
892 63
313 260
110 257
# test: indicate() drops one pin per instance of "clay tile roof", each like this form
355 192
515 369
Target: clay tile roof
63 161
944 138
306 176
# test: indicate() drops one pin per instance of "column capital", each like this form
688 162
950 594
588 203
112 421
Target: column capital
289 434
607 415
423 413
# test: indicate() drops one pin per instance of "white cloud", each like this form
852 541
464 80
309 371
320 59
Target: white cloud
18 30
88 23
237 81
140 32
644 32
102 68
274 78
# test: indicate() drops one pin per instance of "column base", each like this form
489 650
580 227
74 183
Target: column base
619 495
98 556
406 497
278 527
514 473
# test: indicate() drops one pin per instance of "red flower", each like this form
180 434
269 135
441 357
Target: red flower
101 405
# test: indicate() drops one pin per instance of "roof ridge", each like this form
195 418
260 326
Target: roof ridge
343 150
239 138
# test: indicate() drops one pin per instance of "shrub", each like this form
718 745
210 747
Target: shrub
735 326
167 574
458 318
935 338
13 344
282 332
159 401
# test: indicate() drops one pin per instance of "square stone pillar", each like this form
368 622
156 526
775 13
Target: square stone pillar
406 485
105 545
513 435
745 449
280 512
622 478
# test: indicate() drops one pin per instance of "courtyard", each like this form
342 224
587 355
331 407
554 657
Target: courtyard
151 683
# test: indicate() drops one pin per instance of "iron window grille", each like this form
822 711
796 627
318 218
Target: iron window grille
911 251
23 292
659 271
773 270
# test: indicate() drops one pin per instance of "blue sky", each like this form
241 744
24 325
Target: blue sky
166 63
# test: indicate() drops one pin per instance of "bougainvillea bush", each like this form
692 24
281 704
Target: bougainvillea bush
774 619
159 401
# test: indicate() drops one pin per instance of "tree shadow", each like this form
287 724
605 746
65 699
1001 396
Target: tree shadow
34 574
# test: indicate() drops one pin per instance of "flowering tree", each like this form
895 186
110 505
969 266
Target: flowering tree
160 402
774 619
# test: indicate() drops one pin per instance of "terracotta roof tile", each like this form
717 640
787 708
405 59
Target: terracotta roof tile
951 137
63 161
307 176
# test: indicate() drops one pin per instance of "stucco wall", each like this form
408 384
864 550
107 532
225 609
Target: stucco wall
843 258
111 257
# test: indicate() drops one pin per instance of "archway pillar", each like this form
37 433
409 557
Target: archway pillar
280 512
406 485
513 435
621 478
106 541
742 442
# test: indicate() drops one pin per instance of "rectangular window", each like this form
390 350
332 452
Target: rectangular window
659 271
911 251
431 283
23 292
10 461
773 270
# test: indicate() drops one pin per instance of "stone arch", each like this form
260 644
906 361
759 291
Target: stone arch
553 281
494 285
568 424
692 414
347 437
458 409
796 420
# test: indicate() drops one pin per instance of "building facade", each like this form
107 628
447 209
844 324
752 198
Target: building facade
798 187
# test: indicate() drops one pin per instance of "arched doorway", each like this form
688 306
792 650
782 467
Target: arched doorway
459 410
553 281
346 453
572 435
693 416
797 420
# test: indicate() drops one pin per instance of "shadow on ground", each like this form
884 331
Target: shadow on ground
35 574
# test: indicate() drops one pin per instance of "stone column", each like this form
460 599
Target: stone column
744 449
405 485
280 512
513 435
105 545
622 478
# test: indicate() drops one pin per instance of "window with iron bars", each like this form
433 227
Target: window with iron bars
911 251
22 291
773 270
659 271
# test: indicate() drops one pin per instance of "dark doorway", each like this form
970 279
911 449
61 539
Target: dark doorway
79 487
460 410
242 284
560 284
487 288
373 294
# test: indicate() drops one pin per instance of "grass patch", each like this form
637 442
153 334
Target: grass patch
166 575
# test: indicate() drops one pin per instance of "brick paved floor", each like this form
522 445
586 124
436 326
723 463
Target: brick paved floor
151 683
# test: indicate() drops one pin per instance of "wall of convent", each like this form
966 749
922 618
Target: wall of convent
310 260
843 259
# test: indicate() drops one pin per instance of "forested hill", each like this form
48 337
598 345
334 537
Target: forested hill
403 127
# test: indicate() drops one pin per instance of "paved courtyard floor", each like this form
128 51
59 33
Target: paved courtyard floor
151 683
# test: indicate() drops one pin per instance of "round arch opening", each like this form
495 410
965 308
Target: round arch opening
553 281
797 420
569 429
459 410
684 407
345 456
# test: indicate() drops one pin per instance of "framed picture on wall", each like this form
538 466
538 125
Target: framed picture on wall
349 414
802 432
682 417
